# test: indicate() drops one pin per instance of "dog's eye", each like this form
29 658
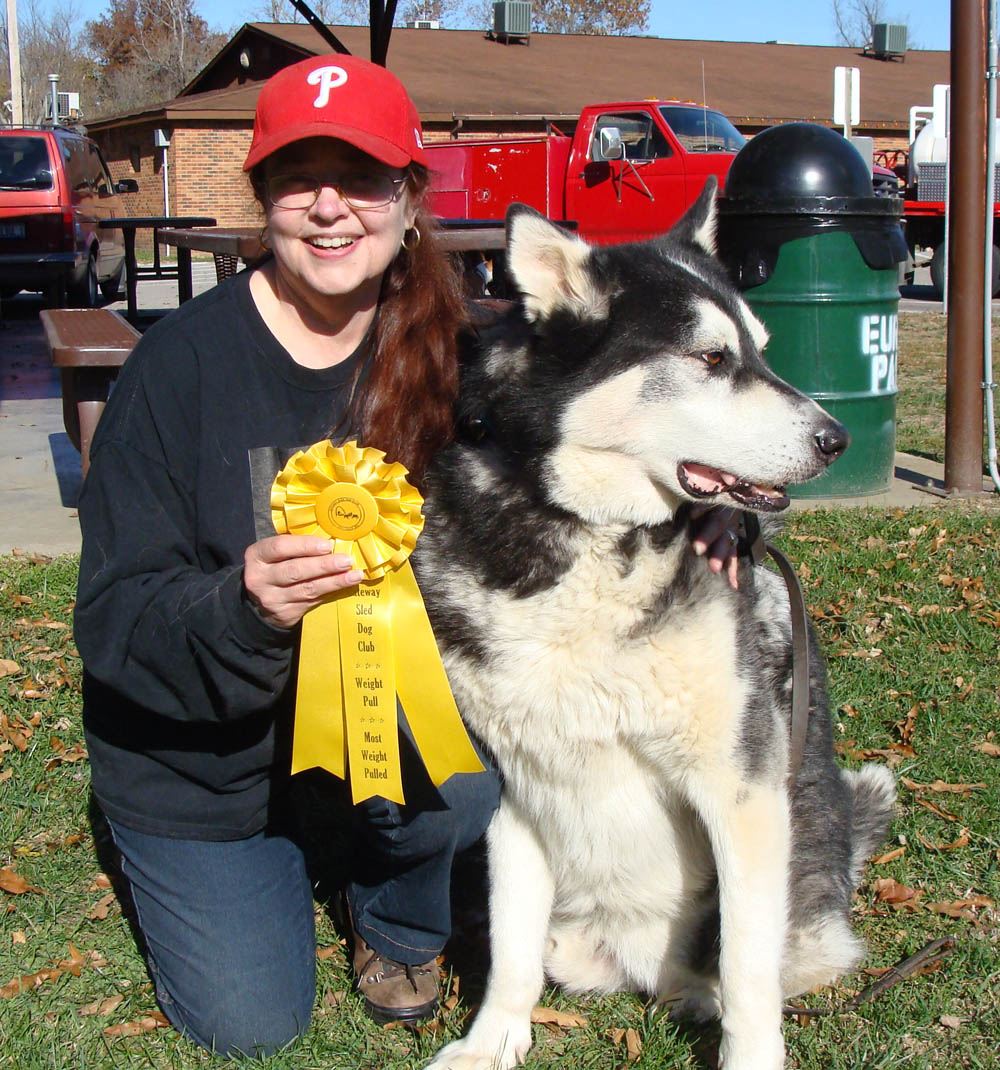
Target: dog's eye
714 358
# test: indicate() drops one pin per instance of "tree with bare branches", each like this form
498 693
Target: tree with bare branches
50 43
855 21
148 50
590 16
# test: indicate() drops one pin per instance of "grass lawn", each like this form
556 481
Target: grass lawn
922 347
907 604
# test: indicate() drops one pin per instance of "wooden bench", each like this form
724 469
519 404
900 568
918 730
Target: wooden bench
88 345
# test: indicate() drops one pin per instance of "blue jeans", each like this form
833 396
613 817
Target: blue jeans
229 927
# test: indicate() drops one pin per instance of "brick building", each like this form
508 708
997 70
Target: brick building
464 83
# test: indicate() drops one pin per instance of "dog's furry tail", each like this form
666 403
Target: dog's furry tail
874 792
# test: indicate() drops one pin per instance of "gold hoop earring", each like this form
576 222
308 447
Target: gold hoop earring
264 238
415 241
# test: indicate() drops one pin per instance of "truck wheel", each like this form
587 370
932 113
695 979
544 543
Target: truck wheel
937 269
85 292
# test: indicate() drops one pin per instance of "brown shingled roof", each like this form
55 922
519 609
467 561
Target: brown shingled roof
462 72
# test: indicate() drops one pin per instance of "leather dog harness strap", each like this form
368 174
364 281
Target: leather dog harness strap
758 547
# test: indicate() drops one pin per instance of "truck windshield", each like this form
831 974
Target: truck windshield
24 163
702 130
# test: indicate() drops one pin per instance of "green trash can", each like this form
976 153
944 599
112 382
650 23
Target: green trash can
816 255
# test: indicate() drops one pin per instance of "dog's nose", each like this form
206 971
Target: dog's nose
831 441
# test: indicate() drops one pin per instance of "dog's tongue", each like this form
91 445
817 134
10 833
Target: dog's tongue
707 480
703 480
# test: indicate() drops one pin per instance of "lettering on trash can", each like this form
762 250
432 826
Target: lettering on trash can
879 341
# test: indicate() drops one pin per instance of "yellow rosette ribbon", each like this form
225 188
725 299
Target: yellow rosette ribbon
345 703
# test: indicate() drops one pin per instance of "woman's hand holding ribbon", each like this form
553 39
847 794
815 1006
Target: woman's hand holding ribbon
287 575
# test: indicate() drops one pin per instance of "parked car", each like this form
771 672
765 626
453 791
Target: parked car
54 190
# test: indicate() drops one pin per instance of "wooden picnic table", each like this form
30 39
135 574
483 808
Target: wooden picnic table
128 225
243 243
89 346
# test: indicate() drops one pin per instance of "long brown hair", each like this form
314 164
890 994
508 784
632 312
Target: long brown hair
405 402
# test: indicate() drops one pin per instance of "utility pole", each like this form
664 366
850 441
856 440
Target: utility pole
963 450
14 55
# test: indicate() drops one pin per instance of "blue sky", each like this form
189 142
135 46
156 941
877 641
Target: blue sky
804 22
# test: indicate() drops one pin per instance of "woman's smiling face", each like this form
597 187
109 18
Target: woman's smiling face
331 254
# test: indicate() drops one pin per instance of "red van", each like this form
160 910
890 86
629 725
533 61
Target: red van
54 190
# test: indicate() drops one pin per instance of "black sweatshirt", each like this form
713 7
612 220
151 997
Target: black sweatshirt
188 693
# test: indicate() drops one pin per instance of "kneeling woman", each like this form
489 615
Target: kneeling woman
189 605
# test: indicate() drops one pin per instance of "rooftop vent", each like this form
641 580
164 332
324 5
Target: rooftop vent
424 24
511 19
888 39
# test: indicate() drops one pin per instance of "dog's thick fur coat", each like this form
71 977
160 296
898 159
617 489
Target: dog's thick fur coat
636 705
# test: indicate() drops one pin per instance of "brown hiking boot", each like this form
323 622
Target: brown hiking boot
393 991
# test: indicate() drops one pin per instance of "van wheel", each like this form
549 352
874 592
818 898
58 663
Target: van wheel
85 292
111 287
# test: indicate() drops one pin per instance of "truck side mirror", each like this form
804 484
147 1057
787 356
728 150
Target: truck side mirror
610 146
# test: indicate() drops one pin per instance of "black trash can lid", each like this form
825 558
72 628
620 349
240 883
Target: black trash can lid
802 169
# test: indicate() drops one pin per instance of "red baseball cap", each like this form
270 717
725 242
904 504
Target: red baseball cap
337 96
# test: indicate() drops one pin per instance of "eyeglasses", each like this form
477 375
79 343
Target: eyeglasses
359 189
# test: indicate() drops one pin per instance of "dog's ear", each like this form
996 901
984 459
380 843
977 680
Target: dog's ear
550 267
698 224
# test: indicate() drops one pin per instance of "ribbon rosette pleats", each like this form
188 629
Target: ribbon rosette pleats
371 643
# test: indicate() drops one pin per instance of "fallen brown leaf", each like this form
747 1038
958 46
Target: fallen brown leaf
14 884
551 1016
949 1021
146 1024
8 667
962 908
101 1007
898 896
935 809
889 856
991 750
18 739
99 911
633 1042
962 841
940 786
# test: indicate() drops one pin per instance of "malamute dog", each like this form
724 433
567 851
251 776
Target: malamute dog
637 706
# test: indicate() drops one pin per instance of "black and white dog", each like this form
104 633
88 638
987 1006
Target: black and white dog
637 706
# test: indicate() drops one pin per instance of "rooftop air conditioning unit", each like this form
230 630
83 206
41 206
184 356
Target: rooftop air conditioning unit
889 39
512 18
69 105
424 24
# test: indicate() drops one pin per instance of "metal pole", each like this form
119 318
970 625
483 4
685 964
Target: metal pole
963 450
989 385
14 58
54 94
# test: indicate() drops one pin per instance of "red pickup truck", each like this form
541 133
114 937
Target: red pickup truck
627 173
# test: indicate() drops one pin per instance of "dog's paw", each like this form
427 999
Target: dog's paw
499 1046
698 1005
457 1056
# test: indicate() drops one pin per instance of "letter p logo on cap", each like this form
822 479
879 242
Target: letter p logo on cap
326 78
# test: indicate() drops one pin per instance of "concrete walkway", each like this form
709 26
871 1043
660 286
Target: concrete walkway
40 469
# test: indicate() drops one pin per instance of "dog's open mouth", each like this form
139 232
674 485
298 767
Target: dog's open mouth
701 481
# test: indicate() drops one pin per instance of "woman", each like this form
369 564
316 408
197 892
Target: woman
188 607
